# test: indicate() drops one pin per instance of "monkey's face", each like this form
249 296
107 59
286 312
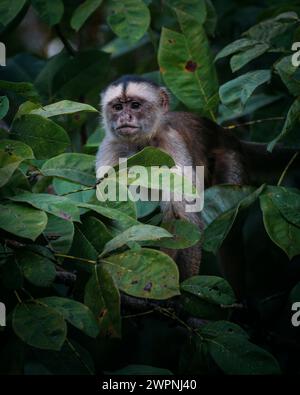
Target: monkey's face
131 117
133 110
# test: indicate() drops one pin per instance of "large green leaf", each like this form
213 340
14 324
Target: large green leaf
12 153
235 93
9 10
124 220
24 89
135 233
184 234
90 238
4 106
288 204
270 29
37 269
39 326
22 221
241 59
220 328
83 12
59 234
282 232
103 298
236 46
129 19
210 288
195 8
289 74
74 312
61 108
72 166
52 204
50 12
144 273
289 133
45 137
186 64
222 205
236 355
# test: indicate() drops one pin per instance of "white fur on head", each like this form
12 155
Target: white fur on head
140 89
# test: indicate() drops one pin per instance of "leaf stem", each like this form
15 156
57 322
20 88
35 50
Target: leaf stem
76 258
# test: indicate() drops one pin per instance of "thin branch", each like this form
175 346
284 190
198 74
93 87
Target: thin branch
253 122
64 40
286 168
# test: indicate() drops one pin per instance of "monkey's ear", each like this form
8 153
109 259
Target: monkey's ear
164 99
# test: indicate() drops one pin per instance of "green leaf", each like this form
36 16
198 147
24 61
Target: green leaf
50 12
4 106
44 136
129 19
222 205
241 59
59 234
288 203
186 64
24 89
83 12
236 46
135 233
195 8
236 355
211 21
145 273
235 93
17 181
57 205
9 10
141 370
289 74
74 312
61 108
150 156
220 328
37 269
124 220
22 221
39 326
12 153
210 288
289 133
268 30
90 238
72 166
184 235
281 232
103 298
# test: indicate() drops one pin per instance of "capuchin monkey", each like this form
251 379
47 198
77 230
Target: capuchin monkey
136 115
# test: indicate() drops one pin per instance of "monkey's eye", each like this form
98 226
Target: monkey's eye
118 107
135 105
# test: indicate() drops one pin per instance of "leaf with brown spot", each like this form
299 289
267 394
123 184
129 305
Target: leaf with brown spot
131 270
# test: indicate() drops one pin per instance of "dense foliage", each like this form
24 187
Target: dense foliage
69 263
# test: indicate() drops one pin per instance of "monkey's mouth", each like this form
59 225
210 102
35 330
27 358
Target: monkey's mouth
127 129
